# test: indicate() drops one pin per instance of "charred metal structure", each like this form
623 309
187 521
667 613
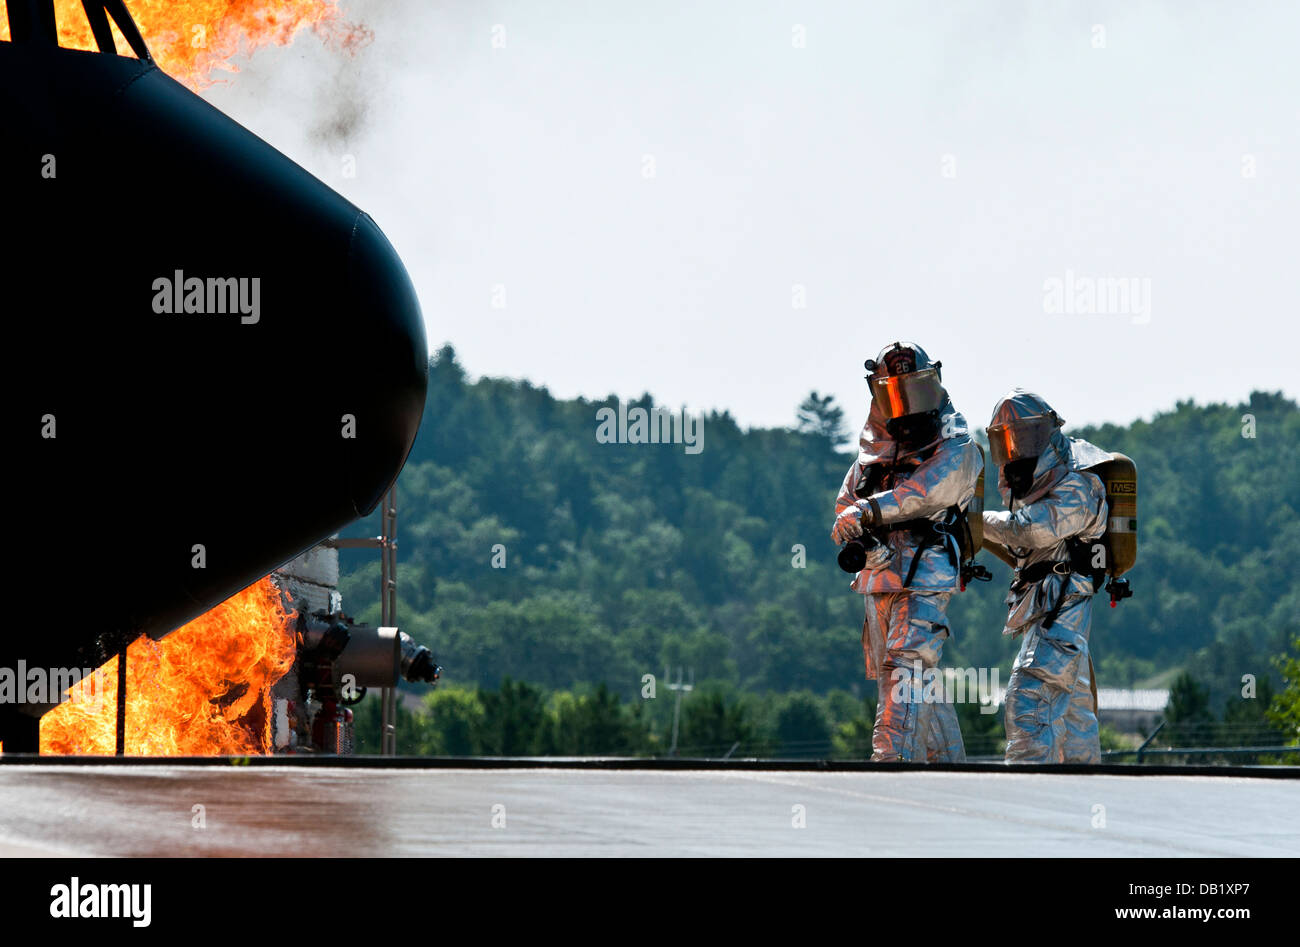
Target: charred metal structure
161 266
339 660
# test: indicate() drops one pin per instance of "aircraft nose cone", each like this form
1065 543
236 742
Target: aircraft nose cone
240 376
387 314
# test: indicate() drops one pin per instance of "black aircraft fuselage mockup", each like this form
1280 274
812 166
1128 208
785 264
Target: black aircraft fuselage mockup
214 360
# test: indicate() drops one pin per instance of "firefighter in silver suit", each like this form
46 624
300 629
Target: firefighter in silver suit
1056 511
914 477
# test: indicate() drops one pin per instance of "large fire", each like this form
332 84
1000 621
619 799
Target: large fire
189 39
204 690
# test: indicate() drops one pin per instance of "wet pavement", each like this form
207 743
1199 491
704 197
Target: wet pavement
335 811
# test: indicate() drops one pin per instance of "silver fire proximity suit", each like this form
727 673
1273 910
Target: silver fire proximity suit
906 625
1048 707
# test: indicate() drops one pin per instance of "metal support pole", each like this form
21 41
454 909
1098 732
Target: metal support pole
1145 743
680 688
392 554
386 543
121 702
388 612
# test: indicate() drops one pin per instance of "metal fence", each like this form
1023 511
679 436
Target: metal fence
1208 743
1198 744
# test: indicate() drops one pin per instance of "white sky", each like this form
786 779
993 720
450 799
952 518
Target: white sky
821 166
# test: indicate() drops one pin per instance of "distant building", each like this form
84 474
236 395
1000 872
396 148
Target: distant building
1129 711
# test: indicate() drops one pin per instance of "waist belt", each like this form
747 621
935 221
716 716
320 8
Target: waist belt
927 533
1039 571
1076 564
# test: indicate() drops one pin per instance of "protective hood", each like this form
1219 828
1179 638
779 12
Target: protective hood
1061 455
876 445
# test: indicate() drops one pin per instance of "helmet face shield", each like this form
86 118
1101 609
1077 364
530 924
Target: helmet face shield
900 395
1020 439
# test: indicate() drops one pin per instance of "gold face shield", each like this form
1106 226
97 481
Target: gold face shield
1019 439
912 393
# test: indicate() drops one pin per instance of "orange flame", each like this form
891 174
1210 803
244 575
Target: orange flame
191 38
204 690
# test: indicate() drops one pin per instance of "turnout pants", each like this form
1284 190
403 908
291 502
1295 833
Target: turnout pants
903 630
1049 703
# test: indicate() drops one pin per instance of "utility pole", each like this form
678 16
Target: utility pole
679 688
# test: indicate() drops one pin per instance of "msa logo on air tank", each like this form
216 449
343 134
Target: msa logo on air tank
1119 476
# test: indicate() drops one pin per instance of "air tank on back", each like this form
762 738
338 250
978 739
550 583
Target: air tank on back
1119 476
197 327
